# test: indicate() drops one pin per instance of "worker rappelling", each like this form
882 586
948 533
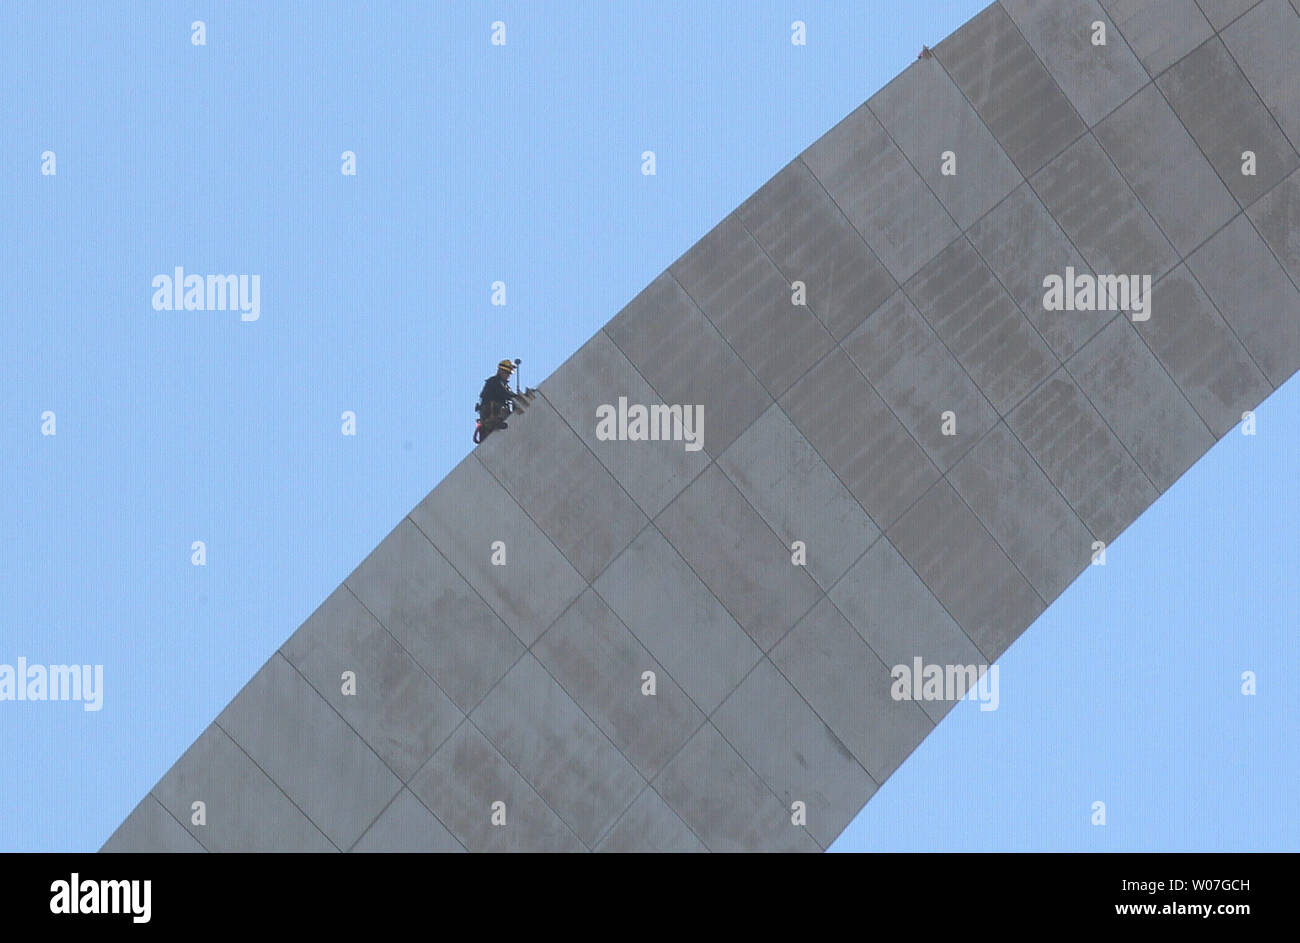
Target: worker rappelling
498 401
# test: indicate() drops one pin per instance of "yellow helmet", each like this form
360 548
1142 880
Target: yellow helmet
507 365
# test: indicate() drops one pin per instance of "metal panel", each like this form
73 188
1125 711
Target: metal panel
1265 42
794 752
1276 216
1099 212
1082 457
786 481
1166 169
392 702
598 375
151 829
750 302
557 748
967 571
849 687
1224 115
1201 353
724 802
810 240
1254 295
650 826
1024 512
1022 244
1160 32
436 616
1222 12
659 597
292 733
880 193
484 802
1004 79
578 504
899 618
980 323
407 827
242 810
602 666
1138 400
731 548
673 345
861 441
929 117
498 549
1097 78
920 380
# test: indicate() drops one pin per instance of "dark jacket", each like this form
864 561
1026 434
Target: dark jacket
496 390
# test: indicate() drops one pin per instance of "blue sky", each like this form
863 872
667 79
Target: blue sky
477 164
